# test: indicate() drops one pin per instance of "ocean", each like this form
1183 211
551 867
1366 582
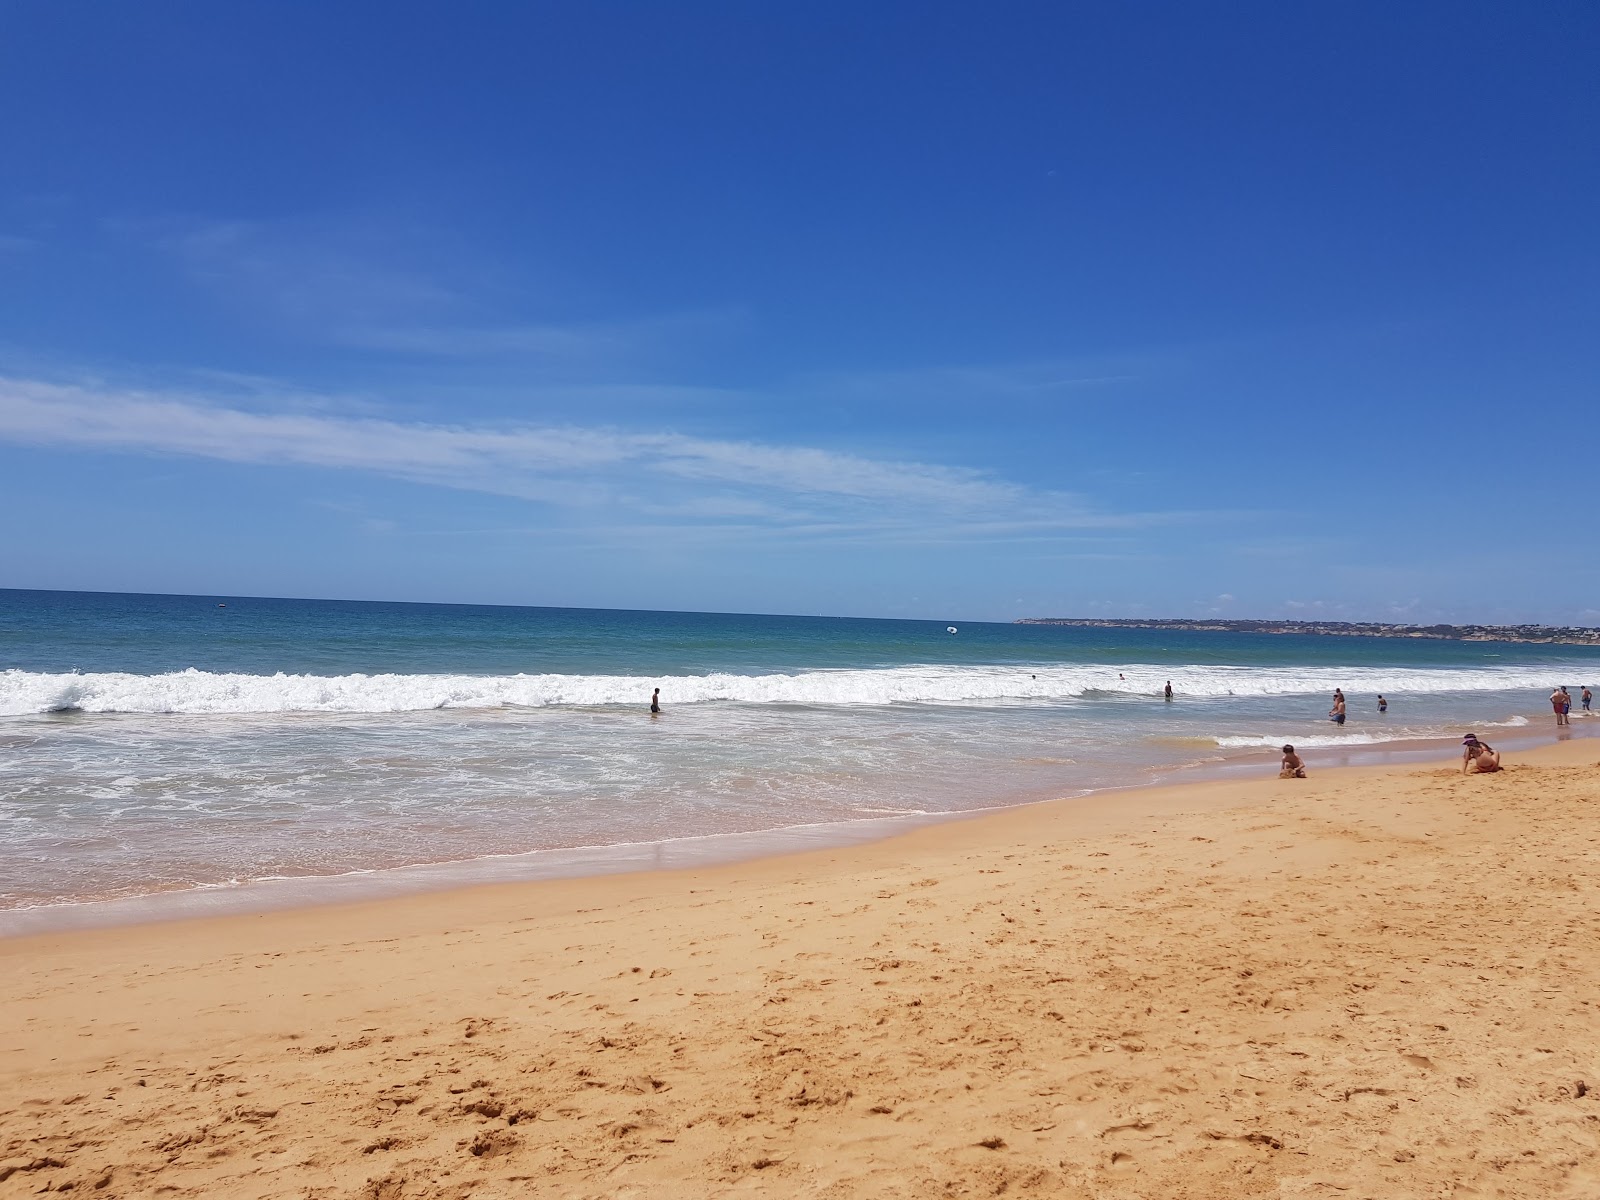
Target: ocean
169 754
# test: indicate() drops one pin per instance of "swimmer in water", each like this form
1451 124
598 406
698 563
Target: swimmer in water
655 703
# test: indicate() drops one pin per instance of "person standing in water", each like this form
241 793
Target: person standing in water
1587 696
1168 691
1383 705
1336 714
655 703
1560 702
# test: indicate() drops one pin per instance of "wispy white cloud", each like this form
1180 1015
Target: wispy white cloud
382 283
351 274
397 291
663 475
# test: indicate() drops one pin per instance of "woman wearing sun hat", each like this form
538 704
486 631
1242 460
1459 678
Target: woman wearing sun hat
1478 758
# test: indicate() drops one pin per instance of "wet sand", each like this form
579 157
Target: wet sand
1375 982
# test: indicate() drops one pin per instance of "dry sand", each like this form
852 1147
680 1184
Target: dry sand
1376 983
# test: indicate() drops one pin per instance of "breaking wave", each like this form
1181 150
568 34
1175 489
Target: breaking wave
1315 741
194 691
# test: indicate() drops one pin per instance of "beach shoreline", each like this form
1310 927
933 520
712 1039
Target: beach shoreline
1375 980
162 757
378 884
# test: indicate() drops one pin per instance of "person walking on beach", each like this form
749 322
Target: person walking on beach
1293 767
1168 692
655 703
1478 758
1336 714
1560 702
1383 705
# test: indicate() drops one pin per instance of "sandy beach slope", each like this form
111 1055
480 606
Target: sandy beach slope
1374 983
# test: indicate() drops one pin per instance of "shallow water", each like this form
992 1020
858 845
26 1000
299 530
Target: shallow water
155 744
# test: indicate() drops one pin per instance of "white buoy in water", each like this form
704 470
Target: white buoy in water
949 628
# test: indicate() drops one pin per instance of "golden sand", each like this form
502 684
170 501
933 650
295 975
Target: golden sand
1372 983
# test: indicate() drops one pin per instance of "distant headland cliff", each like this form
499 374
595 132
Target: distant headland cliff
1564 635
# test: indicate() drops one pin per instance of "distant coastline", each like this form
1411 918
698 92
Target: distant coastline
1561 635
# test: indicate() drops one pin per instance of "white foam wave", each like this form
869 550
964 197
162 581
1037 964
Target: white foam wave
1317 741
1358 738
193 691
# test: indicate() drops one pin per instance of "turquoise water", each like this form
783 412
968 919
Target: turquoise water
170 743
97 631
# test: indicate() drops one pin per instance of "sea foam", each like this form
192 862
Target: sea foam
1361 738
194 691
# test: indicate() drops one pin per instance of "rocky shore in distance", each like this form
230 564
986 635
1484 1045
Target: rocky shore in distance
1565 635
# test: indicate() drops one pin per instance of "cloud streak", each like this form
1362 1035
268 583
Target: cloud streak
662 474
388 285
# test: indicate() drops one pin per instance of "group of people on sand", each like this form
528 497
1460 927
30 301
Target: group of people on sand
1561 701
1477 758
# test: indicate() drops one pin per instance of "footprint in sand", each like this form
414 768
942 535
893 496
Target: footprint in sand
492 1143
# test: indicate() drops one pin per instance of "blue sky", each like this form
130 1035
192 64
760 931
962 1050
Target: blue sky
892 309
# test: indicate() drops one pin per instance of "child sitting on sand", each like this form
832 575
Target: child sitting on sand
1478 758
1292 767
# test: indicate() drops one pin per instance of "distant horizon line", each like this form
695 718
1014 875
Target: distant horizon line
1525 633
1068 622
